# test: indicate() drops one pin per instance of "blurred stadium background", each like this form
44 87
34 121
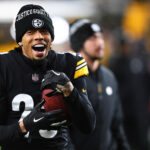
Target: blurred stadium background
121 20
130 15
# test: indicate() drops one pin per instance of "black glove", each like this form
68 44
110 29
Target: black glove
52 78
43 120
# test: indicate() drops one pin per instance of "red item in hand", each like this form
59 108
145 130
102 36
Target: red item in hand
53 101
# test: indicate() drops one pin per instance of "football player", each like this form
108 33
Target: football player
25 72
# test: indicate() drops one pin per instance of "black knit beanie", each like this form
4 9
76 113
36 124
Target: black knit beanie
80 30
32 17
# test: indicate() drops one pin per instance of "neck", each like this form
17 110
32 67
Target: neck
38 65
92 64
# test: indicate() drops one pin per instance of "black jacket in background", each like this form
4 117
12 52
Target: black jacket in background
108 134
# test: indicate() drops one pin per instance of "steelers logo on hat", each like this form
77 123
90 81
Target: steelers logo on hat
37 23
95 27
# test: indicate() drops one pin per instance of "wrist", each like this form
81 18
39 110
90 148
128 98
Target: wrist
72 97
22 127
66 89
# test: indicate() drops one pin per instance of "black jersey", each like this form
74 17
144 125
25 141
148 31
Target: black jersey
108 134
20 81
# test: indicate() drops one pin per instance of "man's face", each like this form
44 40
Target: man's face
94 46
36 44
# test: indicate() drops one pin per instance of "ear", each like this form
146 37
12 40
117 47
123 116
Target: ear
20 44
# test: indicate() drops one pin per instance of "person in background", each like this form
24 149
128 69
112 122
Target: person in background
29 70
86 38
130 64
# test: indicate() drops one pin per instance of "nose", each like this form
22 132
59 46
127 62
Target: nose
100 42
38 35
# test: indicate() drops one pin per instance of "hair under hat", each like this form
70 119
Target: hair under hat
32 17
80 30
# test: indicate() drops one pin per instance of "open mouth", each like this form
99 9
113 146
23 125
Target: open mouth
39 47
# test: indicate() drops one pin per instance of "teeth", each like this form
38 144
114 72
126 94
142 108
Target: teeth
39 45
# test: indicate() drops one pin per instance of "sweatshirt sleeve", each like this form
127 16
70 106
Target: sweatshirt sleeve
8 133
80 109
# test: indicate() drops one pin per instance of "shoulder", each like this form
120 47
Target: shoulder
71 61
8 60
2 53
107 72
108 75
7 56
4 57
5 65
69 56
